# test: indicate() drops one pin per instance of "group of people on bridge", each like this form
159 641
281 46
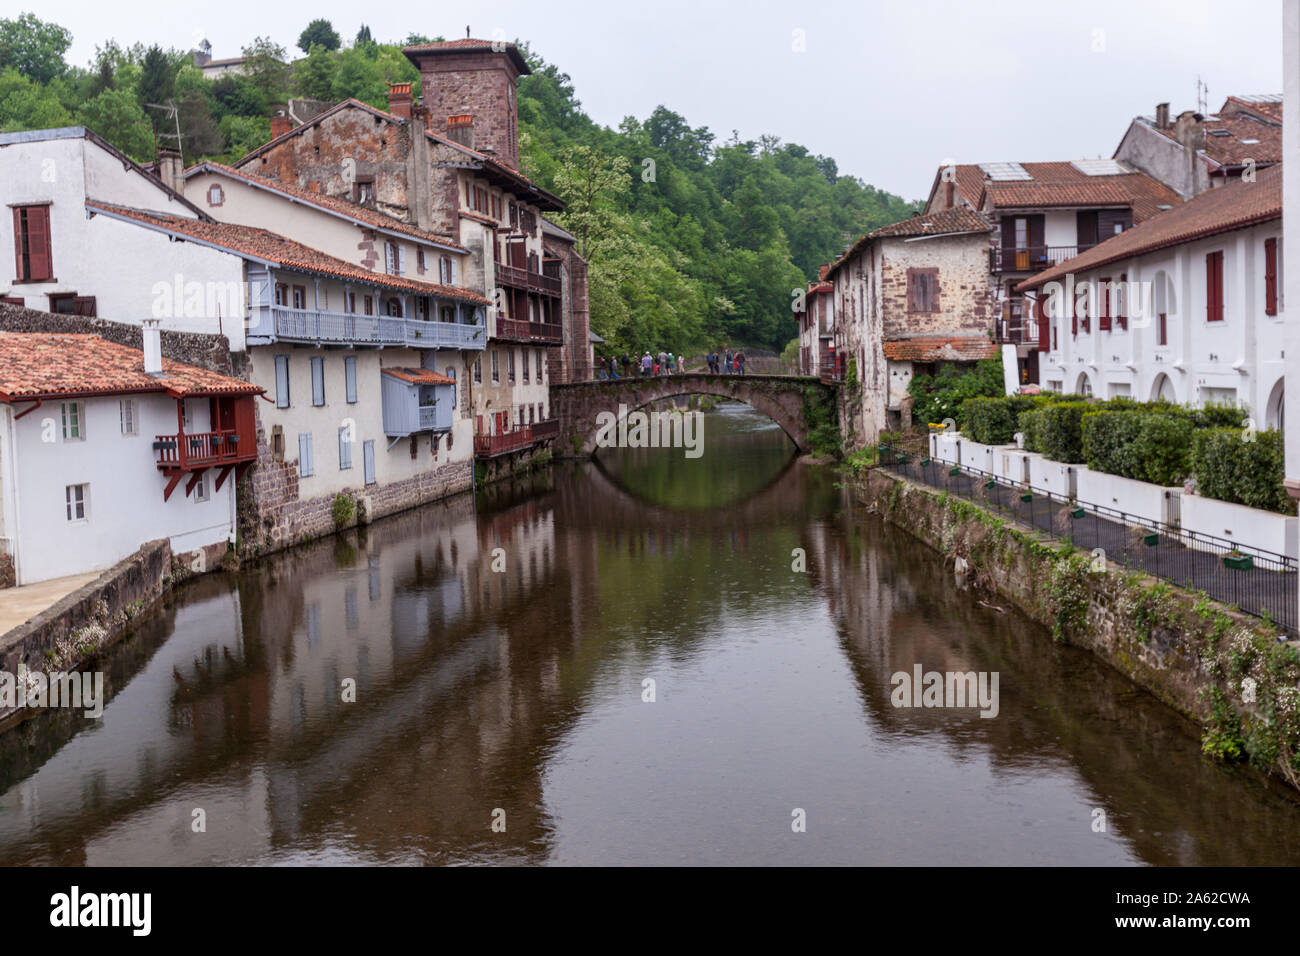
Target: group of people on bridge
665 363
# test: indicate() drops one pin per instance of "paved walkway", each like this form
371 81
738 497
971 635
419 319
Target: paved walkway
20 605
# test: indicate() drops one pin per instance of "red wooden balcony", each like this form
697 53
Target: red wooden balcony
519 330
519 436
230 448
545 429
517 278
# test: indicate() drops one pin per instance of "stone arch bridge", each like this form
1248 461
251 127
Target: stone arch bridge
779 397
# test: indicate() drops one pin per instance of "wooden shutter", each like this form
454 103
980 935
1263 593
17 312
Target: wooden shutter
1214 287
350 378
305 465
38 242
317 381
1103 321
345 450
19 271
282 381
368 454
1044 328
1270 277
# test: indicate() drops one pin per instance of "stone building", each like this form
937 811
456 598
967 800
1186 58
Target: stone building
449 165
908 298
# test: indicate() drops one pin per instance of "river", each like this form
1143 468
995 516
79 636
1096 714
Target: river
680 661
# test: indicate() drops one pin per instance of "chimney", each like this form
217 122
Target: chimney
152 346
948 192
460 129
280 124
1162 116
399 100
170 173
821 273
1189 130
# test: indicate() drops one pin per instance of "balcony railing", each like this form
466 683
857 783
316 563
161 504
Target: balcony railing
1015 330
185 452
348 328
519 436
519 330
518 278
428 417
1031 258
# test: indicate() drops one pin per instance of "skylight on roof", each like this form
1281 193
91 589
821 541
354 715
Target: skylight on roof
1250 142
1004 171
1219 132
1099 167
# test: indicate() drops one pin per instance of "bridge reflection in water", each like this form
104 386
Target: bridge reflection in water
522 690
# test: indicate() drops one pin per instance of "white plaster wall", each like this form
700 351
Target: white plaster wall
1250 527
126 506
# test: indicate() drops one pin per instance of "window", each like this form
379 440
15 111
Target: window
201 488
317 380
539 365
363 191
451 374
448 313
76 498
510 366
1160 305
32 244
496 367
1104 291
1214 286
216 196
923 290
187 416
447 270
350 378
525 364
478 370
282 381
281 294
345 448
277 442
368 304
306 467
394 259
74 421
130 416
69 303
368 461
419 261
1270 277
1162 329
299 297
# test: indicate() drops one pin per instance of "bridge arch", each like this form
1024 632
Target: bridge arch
577 405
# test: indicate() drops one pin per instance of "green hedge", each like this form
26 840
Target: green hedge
1109 439
1163 445
1060 431
1030 425
1243 472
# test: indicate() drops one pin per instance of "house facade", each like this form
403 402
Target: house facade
908 298
1188 307
450 165
104 447
816 329
1043 214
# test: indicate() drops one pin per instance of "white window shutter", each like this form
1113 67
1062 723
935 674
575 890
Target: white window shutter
401 260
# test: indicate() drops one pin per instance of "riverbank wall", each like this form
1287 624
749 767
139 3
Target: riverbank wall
1221 668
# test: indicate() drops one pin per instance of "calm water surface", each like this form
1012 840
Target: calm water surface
521 691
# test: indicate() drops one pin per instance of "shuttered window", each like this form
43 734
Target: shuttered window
33 260
1121 302
317 380
282 381
1103 322
350 378
923 290
1270 277
345 448
306 467
1214 287
368 455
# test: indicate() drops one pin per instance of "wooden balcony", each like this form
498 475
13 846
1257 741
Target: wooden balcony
519 437
1031 258
317 327
190 454
516 278
519 330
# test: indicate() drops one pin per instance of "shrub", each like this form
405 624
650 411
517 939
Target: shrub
989 420
1060 432
1162 448
1108 442
1031 426
939 396
1243 472
1214 415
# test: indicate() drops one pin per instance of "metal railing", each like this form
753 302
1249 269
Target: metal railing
1259 582
315 326
1031 258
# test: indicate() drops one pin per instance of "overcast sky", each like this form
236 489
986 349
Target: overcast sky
889 89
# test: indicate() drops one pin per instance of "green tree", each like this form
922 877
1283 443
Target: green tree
319 32
157 85
314 76
265 68
25 105
116 116
33 47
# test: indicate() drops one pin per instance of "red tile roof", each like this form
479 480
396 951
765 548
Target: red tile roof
1216 210
275 249
327 202
956 221
45 364
1269 107
419 376
939 348
468 45
1059 184
1233 149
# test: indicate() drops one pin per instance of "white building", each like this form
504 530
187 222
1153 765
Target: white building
100 453
1196 312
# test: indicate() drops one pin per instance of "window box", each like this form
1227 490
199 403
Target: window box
954 472
1076 511
1151 539
1026 496
1240 562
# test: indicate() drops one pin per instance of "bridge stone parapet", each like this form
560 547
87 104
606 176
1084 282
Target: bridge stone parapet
779 397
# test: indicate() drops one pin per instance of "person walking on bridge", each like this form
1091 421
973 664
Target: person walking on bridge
740 363
646 362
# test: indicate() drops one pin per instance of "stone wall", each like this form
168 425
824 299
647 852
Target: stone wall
966 298
76 629
1189 652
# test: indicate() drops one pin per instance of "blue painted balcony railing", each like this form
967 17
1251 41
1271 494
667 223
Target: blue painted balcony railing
347 328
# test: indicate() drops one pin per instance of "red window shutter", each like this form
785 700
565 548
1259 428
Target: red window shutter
18 244
1121 311
1270 277
1214 287
1103 322
1044 333
1072 308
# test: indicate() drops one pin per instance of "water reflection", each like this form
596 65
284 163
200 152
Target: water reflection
522 689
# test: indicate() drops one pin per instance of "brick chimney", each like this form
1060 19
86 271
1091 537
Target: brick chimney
475 78
1162 116
170 171
460 129
280 124
399 100
821 273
